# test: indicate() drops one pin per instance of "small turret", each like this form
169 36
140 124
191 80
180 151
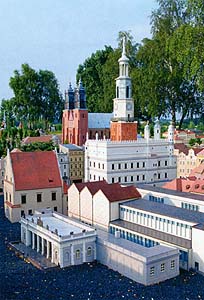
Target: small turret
171 133
157 130
82 95
147 131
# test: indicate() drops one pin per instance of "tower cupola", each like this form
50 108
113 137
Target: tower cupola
70 97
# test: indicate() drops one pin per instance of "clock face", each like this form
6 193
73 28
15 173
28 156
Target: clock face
129 106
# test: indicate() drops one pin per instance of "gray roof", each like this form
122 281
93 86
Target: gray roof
154 234
72 147
166 210
133 247
99 120
170 192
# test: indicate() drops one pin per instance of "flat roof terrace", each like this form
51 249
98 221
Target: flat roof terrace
63 224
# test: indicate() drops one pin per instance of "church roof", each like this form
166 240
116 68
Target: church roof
35 170
99 120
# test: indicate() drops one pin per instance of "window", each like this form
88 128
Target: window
165 175
99 165
143 177
30 212
39 197
78 254
131 165
112 179
143 164
159 163
112 166
22 213
125 166
55 208
119 179
10 197
89 251
64 166
138 165
138 177
132 178
54 196
162 267
90 163
159 176
165 163
23 199
94 164
117 92
119 166
172 264
127 91
125 178
103 166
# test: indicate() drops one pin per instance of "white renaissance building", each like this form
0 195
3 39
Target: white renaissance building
123 158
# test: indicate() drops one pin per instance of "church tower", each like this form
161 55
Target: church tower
75 116
123 127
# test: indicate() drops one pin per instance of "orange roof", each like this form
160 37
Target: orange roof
189 184
198 172
35 170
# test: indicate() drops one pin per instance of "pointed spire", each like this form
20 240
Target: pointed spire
124 44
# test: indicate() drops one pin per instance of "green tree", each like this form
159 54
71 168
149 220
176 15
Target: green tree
36 96
91 75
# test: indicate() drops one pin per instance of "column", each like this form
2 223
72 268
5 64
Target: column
94 248
28 237
33 240
84 252
42 246
52 252
38 243
48 249
72 255
60 259
22 239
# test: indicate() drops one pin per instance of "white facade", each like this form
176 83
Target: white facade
184 200
1 175
63 161
128 162
63 241
148 223
144 160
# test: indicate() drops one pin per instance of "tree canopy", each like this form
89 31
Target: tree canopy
36 95
166 70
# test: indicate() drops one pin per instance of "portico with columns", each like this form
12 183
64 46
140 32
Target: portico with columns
60 239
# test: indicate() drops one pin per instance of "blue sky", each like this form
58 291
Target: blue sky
58 35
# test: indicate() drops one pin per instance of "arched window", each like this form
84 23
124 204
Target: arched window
89 251
78 254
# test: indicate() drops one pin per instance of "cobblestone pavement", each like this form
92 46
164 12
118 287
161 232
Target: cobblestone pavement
21 280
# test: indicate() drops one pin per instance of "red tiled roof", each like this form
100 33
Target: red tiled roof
93 186
182 148
115 192
37 139
65 188
35 170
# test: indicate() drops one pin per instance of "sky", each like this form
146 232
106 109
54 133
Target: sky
58 35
